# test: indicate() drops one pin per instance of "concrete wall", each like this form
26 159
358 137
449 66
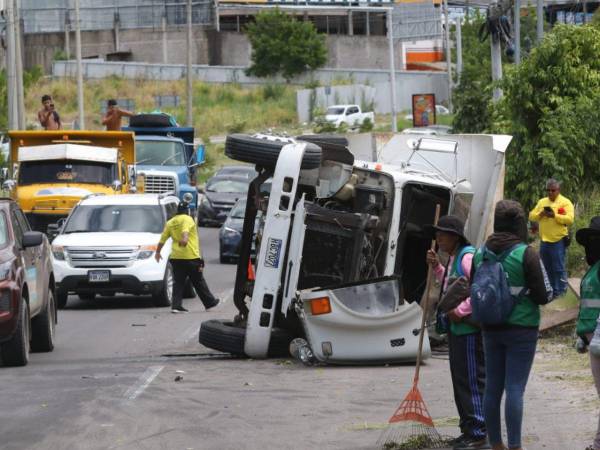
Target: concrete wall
407 83
225 48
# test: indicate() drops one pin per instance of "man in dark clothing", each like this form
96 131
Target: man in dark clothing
510 346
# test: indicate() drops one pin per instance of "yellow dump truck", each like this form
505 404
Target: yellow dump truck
50 171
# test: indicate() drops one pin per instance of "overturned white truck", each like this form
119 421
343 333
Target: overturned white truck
341 259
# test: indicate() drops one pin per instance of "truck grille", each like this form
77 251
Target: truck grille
102 257
157 184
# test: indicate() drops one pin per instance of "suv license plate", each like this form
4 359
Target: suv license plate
98 276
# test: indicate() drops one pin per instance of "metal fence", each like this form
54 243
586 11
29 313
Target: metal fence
55 15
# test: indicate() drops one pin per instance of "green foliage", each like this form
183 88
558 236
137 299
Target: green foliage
323 126
59 55
237 126
273 91
366 126
283 45
550 106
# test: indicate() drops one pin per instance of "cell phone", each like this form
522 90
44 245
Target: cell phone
547 209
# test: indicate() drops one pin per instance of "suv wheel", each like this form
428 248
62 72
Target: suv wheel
15 352
164 296
61 298
43 326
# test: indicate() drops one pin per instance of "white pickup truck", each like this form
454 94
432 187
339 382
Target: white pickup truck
341 243
351 115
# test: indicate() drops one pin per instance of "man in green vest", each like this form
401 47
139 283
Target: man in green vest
467 365
589 309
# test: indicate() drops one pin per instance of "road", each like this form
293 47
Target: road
111 384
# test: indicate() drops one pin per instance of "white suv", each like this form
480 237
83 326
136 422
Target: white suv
107 245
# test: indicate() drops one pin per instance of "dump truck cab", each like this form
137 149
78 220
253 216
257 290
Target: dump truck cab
52 170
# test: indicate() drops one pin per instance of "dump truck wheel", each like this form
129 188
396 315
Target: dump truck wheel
264 151
229 337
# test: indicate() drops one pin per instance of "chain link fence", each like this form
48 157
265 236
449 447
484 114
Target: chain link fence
56 15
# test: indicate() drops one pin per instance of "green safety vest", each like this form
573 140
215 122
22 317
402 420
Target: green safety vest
461 328
590 301
526 313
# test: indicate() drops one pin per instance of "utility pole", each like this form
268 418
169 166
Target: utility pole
540 20
13 119
19 66
496 62
459 58
390 33
189 112
67 35
517 22
79 68
448 56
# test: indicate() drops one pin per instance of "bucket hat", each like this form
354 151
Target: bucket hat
448 224
583 235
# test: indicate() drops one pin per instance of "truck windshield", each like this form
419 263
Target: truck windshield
65 171
160 153
335 111
112 218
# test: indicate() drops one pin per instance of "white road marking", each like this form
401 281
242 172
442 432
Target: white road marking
190 333
143 382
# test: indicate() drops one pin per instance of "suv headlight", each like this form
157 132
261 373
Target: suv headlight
146 251
230 231
58 252
5 269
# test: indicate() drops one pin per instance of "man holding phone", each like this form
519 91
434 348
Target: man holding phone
112 118
554 213
48 116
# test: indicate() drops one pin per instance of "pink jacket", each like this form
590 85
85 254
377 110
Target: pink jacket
464 308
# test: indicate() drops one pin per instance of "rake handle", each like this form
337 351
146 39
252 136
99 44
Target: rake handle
425 302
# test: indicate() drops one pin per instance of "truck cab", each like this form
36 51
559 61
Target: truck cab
53 170
167 160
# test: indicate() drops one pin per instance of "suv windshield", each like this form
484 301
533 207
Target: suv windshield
109 218
65 171
227 186
160 153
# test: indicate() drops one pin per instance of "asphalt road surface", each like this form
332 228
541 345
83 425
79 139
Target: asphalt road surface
126 375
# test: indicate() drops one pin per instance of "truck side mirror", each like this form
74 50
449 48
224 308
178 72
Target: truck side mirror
9 185
116 185
4 174
131 170
200 154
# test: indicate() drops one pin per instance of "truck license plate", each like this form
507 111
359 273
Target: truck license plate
98 276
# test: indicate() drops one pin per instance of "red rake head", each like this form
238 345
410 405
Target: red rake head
412 409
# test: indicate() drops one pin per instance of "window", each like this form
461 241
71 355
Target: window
115 218
23 223
66 172
3 230
17 229
160 153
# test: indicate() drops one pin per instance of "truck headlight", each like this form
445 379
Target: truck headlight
5 269
58 252
146 251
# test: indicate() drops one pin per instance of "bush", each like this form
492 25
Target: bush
273 91
237 126
366 126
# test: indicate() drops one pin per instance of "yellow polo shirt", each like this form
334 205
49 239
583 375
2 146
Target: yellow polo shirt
174 229
553 229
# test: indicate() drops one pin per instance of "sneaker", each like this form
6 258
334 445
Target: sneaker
457 440
471 443
216 303
181 309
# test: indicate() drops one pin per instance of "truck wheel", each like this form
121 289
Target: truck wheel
264 152
43 326
227 336
61 298
150 120
188 290
320 139
15 352
164 296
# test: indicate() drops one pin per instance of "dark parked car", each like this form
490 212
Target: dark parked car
218 197
230 234
27 302
238 171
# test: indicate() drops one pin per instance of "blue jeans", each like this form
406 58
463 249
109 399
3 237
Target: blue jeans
508 359
553 257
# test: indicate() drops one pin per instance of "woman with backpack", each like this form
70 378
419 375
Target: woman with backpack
509 345
464 338
589 309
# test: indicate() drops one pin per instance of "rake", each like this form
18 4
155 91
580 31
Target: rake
411 426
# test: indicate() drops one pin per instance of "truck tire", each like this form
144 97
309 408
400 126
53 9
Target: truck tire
150 120
264 152
15 352
43 326
164 296
319 139
229 337
61 298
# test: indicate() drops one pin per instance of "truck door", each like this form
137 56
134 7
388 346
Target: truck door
30 256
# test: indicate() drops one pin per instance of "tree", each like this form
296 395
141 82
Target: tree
550 106
283 45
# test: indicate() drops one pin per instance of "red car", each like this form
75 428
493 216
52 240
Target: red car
27 305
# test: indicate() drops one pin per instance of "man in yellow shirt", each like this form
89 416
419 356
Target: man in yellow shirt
555 213
185 259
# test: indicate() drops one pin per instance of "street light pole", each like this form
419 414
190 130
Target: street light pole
448 56
517 21
459 58
189 112
392 70
19 66
540 20
79 68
